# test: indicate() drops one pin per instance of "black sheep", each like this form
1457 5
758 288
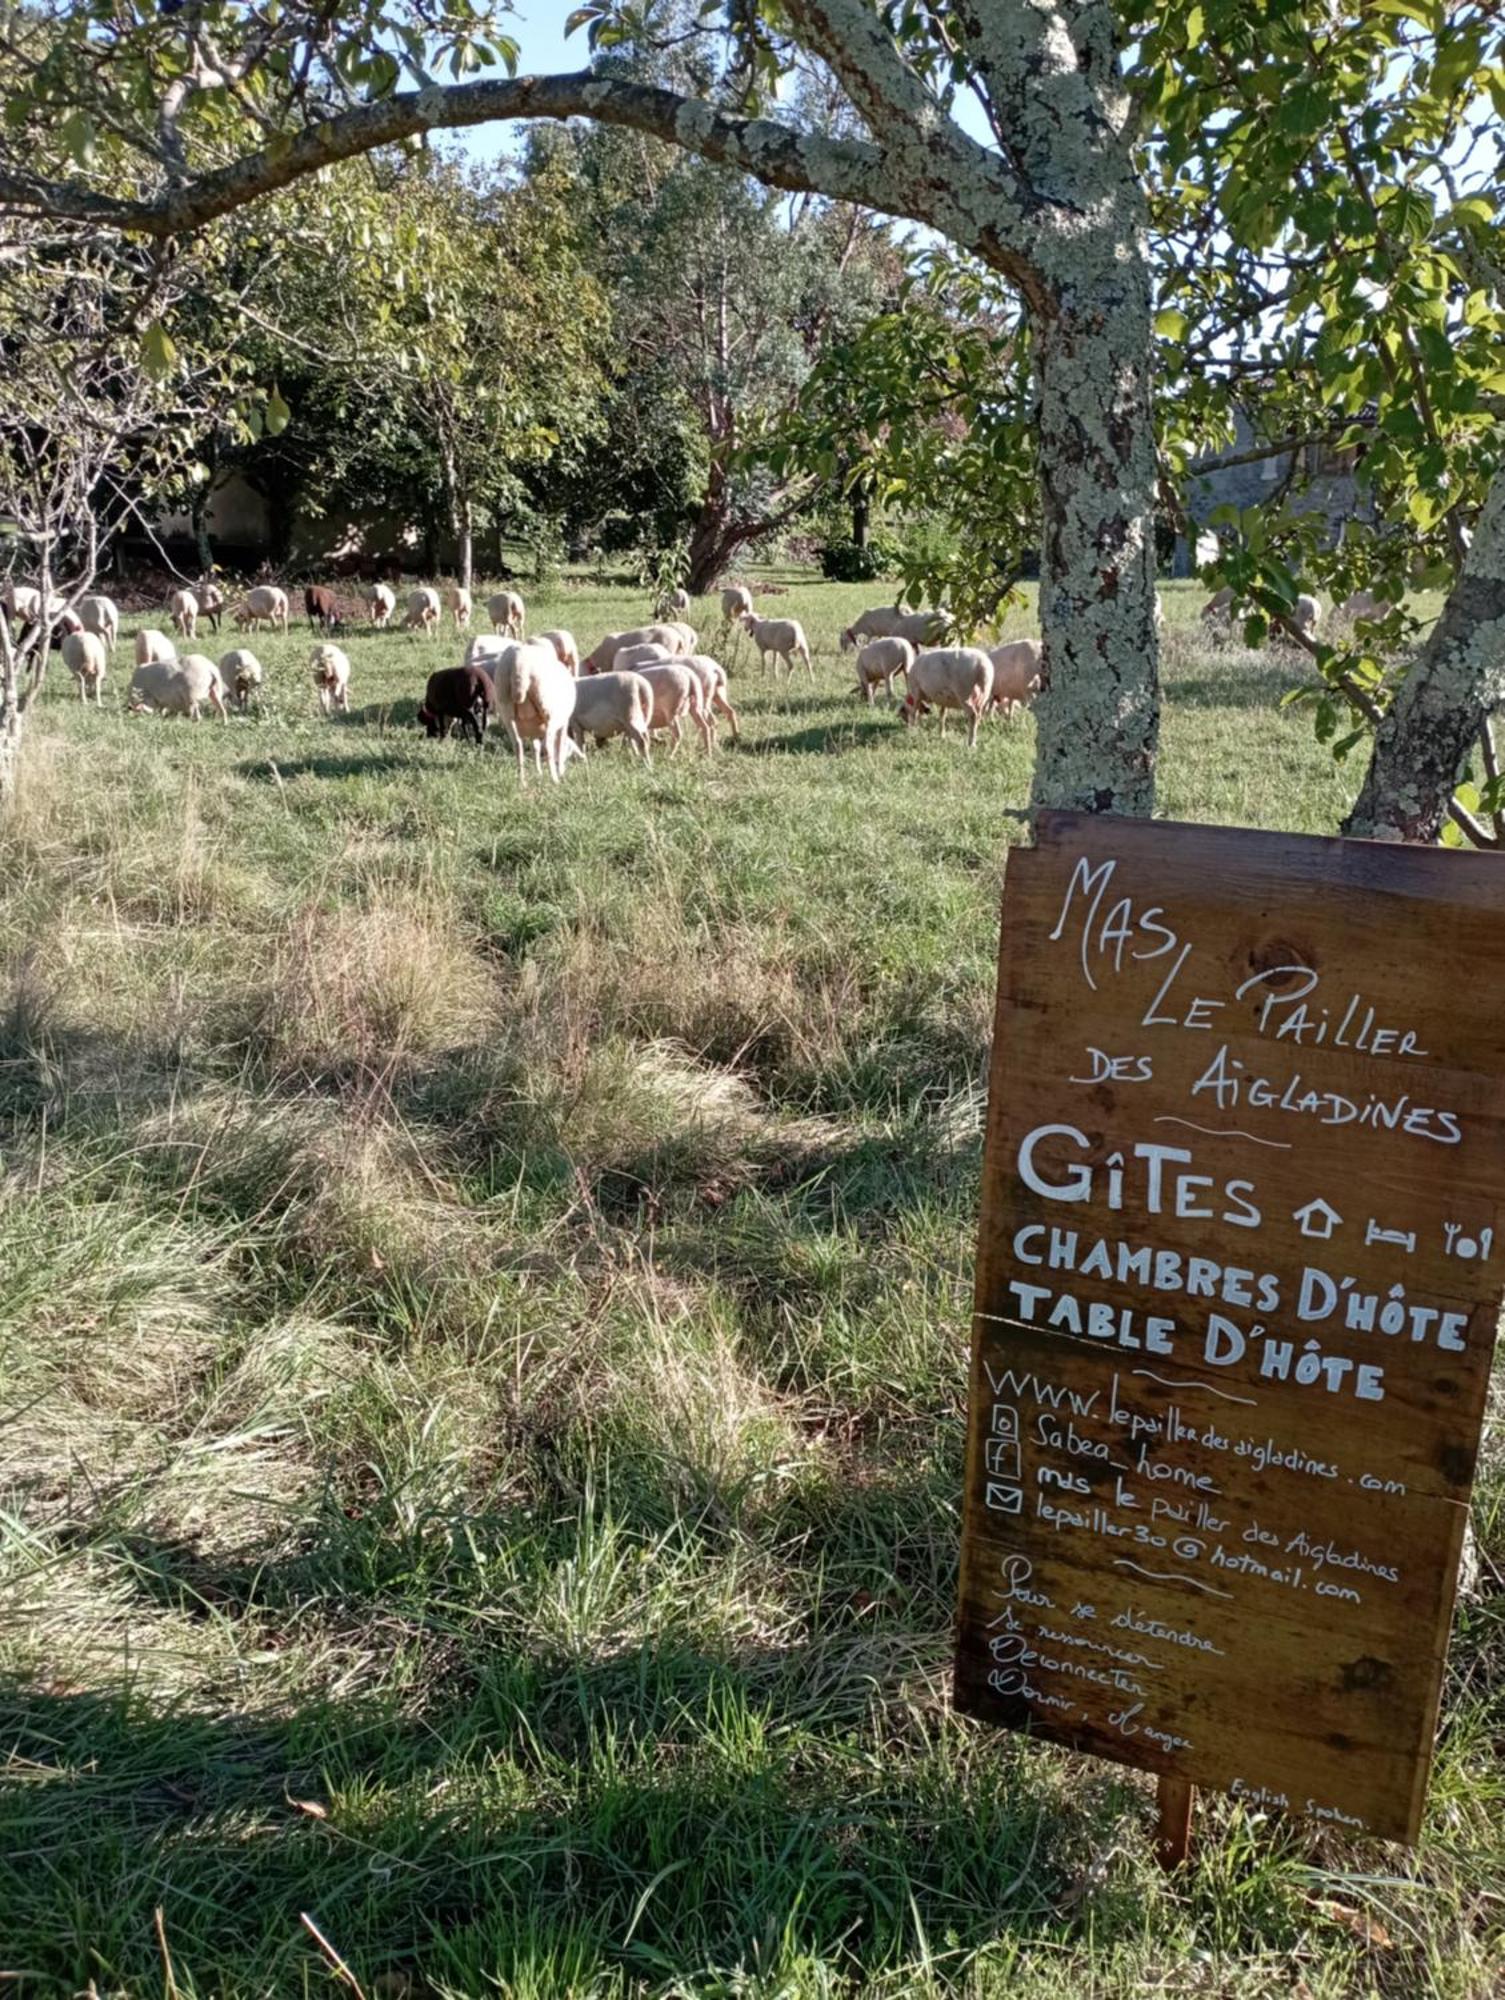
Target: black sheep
458 694
323 608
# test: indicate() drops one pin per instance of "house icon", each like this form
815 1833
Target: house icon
1318 1218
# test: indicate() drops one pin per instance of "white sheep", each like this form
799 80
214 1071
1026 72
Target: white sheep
330 666
423 610
1219 609
1363 604
266 604
457 598
1306 613
879 660
712 677
535 694
153 645
178 687
677 692
183 612
950 677
782 638
887 621
615 705
485 649
505 610
689 637
381 602
241 672
84 656
564 645
670 601
1016 674
627 659
736 601
670 637
98 614
23 603
211 601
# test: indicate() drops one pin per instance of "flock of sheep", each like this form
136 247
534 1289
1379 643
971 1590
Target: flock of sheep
541 689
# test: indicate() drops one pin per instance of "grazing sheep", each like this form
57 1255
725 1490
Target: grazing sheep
84 656
99 615
670 637
240 670
153 645
627 659
1306 613
946 678
178 687
678 692
784 638
265 605
1363 604
505 610
322 608
880 660
211 602
1016 674
486 648
671 601
183 608
712 677
687 633
331 671
564 645
458 599
23 605
536 699
423 610
381 602
736 602
466 695
615 705
887 621
1219 609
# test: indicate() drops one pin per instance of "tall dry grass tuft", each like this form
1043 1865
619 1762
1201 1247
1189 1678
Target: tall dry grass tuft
371 991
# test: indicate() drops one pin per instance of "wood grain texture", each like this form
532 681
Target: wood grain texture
1238 1282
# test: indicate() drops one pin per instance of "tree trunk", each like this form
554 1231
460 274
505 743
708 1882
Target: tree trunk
465 539
1099 707
1424 740
860 512
198 515
713 540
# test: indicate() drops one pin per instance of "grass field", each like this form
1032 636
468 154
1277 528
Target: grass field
484 1279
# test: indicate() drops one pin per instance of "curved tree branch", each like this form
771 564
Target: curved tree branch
844 169
936 175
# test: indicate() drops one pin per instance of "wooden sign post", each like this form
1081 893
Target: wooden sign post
1241 1258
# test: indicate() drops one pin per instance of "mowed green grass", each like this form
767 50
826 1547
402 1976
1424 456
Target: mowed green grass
484 1284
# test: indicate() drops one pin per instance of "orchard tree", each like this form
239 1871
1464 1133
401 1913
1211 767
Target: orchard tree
1032 135
723 295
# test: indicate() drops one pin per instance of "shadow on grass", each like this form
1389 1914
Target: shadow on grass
327 764
717 1832
1265 688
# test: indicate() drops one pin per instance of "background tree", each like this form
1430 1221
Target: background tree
723 295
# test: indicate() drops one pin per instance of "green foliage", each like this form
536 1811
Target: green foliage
853 562
1327 193
927 406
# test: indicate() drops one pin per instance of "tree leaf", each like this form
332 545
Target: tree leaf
278 415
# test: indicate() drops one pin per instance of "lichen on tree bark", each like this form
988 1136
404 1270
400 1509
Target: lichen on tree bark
1423 742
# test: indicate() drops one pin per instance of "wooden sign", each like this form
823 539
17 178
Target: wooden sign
1241 1257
